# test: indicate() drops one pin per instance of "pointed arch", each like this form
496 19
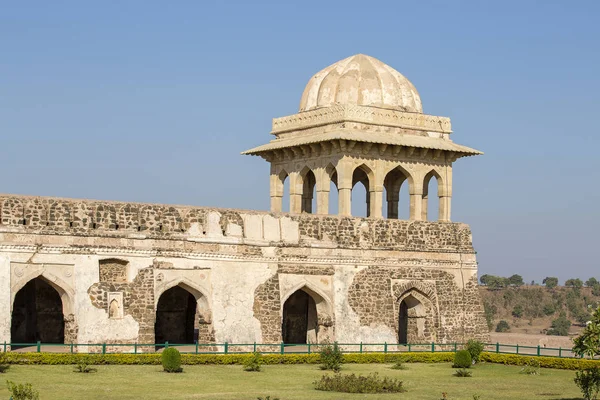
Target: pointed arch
308 182
185 302
332 185
66 293
393 183
364 175
425 209
306 315
417 312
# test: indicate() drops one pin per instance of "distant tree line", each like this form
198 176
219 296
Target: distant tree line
499 282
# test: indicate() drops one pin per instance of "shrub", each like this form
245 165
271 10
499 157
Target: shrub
531 368
502 326
474 347
517 311
22 391
588 380
3 363
463 373
462 359
253 363
399 365
267 398
560 326
331 357
358 384
171 360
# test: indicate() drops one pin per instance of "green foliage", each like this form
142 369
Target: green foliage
462 359
549 309
84 368
331 357
351 383
399 365
3 363
532 367
489 311
253 363
591 282
502 326
588 380
22 391
517 311
560 326
574 283
588 342
596 290
545 362
463 373
516 280
474 347
550 282
267 398
171 360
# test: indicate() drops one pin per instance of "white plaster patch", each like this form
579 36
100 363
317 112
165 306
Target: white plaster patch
271 230
290 230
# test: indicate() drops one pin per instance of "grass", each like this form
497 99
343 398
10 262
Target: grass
288 382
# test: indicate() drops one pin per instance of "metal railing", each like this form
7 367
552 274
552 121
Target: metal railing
277 348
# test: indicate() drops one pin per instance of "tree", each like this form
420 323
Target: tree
560 326
575 283
591 282
517 311
502 326
550 282
588 343
516 280
484 279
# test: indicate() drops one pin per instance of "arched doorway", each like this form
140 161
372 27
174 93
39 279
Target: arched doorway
362 175
397 194
299 319
37 314
411 321
175 317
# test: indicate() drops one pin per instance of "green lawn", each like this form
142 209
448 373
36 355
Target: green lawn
423 381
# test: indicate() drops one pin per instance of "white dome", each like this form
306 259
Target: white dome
361 80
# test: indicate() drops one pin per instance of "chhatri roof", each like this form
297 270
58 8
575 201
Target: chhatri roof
360 80
361 100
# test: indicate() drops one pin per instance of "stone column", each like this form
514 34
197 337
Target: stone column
322 201
416 201
344 171
376 204
424 203
276 192
444 215
295 193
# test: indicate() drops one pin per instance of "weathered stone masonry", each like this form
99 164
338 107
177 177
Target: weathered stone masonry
246 273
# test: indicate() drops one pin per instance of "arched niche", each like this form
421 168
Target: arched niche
306 316
416 317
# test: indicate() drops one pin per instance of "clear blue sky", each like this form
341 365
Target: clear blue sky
153 101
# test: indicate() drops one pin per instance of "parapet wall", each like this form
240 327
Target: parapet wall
56 216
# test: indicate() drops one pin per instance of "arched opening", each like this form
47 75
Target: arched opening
411 321
37 314
361 175
299 319
309 186
175 317
113 309
397 205
430 209
333 205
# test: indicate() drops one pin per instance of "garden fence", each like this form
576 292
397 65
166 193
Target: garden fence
278 348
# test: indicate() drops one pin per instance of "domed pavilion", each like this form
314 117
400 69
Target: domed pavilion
361 121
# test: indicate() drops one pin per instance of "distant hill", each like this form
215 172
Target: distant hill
532 309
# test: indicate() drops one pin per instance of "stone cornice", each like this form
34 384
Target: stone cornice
290 259
361 114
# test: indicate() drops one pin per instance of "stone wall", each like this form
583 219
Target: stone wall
111 262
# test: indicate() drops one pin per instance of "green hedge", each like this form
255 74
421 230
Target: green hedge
271 359
223 359
545 362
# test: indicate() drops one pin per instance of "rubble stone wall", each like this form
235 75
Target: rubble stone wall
111 261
